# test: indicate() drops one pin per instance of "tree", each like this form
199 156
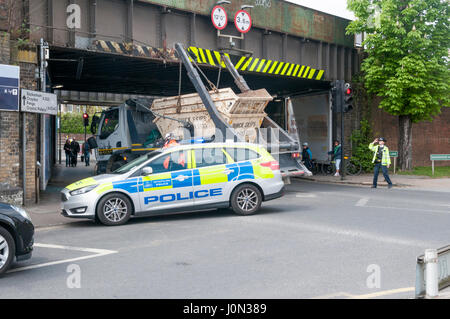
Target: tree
407 60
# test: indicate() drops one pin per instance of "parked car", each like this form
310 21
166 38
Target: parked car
16 235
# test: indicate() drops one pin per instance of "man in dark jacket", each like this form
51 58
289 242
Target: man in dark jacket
307 156
68 151
75 148
86 149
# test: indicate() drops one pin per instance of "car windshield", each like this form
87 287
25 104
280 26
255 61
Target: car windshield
138 161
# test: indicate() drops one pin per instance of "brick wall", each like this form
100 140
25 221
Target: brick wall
428 137
11 123
9 148
4 48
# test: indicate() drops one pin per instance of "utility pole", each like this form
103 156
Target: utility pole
43 56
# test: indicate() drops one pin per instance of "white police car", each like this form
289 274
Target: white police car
178 179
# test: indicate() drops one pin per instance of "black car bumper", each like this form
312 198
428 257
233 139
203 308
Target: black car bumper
274 195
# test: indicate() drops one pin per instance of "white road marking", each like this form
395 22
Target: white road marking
95 253
302 195
362 202
336 230
335 295
424 210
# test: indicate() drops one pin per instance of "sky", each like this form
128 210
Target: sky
334 7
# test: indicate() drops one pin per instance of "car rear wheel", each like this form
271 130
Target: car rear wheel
114 209
7 250
246 199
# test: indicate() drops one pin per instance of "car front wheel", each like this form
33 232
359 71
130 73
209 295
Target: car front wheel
246 199
7 250
114 209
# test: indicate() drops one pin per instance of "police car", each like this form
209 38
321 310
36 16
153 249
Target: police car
181 178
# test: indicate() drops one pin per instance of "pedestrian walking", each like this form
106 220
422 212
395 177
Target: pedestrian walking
381 159
337 156
86 149
307 156
68 152
75 148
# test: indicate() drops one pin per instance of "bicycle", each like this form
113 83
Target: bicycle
312 166
352 167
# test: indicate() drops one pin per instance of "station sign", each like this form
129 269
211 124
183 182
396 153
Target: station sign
39 102
9 87
393 153
243 21
219 17
439 157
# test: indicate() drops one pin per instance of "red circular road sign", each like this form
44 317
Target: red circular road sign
219 17
243 21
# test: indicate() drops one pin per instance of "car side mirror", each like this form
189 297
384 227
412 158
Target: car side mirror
147 171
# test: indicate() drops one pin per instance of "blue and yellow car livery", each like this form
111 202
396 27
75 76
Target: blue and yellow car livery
199 182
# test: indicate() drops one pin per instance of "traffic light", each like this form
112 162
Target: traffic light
335 101
85 119
348 98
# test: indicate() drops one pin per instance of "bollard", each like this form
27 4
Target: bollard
431 273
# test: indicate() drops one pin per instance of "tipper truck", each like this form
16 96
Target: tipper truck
138 126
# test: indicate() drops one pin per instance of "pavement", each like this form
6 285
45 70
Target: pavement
47 211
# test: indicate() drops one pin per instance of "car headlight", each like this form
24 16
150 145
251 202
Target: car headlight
22 212
83 190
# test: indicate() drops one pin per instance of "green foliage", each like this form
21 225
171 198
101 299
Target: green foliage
360 146
72 123
407 43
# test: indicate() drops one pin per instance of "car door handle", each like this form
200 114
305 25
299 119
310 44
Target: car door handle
181 178
228 171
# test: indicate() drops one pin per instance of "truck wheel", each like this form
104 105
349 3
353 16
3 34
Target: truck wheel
114 209
7 250
246 199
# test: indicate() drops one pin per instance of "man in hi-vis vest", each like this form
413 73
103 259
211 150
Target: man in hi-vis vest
381 159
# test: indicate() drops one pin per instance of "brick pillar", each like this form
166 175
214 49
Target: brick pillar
30 181
27 80
9 148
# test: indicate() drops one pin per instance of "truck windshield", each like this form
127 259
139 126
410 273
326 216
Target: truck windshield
110 122
138 161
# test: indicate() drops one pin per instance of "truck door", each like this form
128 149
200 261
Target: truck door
170 185
314 122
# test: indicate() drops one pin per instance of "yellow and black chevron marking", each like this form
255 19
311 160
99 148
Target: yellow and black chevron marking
133 49
205 56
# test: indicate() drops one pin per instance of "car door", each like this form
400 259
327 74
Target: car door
169 187
210 176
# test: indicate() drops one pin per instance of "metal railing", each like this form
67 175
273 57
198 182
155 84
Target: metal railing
432 272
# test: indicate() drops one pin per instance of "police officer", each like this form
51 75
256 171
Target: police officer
381 159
